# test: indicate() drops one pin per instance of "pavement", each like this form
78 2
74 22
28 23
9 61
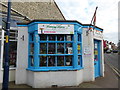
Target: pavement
110 80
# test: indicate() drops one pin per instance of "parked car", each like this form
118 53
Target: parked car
108 51
115 51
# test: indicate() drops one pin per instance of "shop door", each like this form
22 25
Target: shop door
96 58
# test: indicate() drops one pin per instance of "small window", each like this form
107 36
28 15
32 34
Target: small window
68 60
31 36
32 60
79 37
69 49
51 37
43 48
43 61
12 53
51 48
79 49
60 61
60 37
79 60
43 37
68 37
60 48
51 61
31 48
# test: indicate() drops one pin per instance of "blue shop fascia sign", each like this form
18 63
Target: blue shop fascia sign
54 45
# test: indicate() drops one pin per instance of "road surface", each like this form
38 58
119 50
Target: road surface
111 58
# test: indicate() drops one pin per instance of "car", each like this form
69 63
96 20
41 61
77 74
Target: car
108 51
115 51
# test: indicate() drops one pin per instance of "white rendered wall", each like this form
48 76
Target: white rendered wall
11 75
88 59
59 78
22 56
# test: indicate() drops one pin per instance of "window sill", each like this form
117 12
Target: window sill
53 69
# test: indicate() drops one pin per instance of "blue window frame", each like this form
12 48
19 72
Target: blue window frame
80 64
54 51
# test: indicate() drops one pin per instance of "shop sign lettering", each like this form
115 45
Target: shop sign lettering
98 34
55 29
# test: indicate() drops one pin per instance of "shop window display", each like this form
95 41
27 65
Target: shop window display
55 50
51 48
51 60
60 48
60 61
12 54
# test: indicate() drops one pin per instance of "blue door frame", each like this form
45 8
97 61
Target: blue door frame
97 57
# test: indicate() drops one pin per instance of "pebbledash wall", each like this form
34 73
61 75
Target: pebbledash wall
85 53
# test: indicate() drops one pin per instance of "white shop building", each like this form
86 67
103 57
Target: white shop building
49 52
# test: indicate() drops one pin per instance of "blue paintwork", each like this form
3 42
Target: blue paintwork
67 68
33 28
75 51
97 63
93 27
36 50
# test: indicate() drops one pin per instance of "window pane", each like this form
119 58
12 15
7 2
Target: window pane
51 48
43 48
60 48
68 60
79 60
79 49
31 37
79 37
13 34
32 60
31 48
51 37
43 37
60 61
43 61
51 60
60 37
69 44
69 48
68 37
13 53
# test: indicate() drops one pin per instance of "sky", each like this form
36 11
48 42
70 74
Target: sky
83 10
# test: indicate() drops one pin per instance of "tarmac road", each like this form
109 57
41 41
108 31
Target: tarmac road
111 58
